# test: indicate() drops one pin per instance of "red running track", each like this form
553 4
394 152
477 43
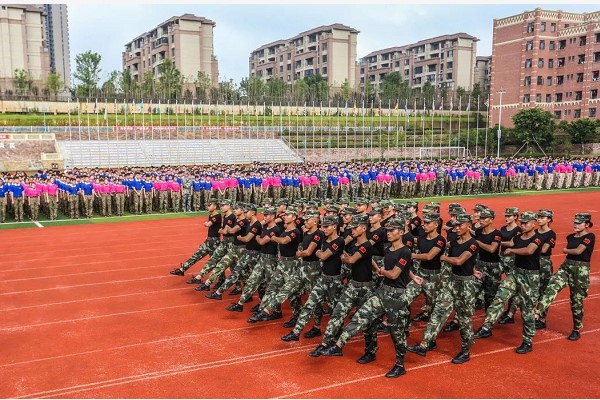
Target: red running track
91 312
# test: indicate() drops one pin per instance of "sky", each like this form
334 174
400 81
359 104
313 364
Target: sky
241 28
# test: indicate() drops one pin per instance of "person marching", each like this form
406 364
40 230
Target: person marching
208 246
459 293
390 299
573 272
522 282
488 238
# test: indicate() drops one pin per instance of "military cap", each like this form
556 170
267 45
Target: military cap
240 204
375 210
457 211
581 218
386 203
396 223
414 204
283 202
267 202
348 210
270 210
374 200
463 218
487 213
545 213
212 200
297 204
312 204
344 200
479 207
358 219
225 202
399 207
311 214
433 205
429 217
361 200
527 216
251 207
511 211
327 201
332 208
291 211
454 205
330 220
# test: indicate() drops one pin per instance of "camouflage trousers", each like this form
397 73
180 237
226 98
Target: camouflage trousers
223 248
228 261
576 275
175 200
2 209
148 201
385 300
34 207
355 294
327 288
197 200
105 205
545 275
430 287
119 203
207 247
507 263
136 203
492 276
459 293
241 270
284 285
439 187
261 274
73 206
88 204
186 202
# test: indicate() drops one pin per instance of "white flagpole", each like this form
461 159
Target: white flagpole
459 117
486 126
477 128
69 111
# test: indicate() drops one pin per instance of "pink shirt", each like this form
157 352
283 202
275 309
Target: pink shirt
51 189
432 175
588 169
470 174
569 168
276 181
118 188
32 192
174 186
387 178
476 175
379 178
511 172
314 180
424 176
233 183
344 180
266 183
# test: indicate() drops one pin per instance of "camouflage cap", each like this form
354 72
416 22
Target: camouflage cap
270 211
527 216
414 204
457 211
361 200
311 214
283 202
375 210
386 203
358 219
396 223
399 207
348 210
250 207
479 207
327 201
487 213
344 200
463 218
453 205
430 217
433 205
291 211
267 202
374 200
545 213
511 211
225 202
581 218
332 208
212 200
330 220
312 204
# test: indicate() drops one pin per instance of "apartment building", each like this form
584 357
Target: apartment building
23 45
327 50
187 40
483 72
445 61
546 59
57 32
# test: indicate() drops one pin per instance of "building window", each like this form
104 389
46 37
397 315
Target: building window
552 27
541 63
530 27
450 53
549 81
449 65
172 38
172 52
577 113
540 80
324 70
594 94
562 44
543 26
526 98
542 44
557 114
289 67
528 63
324 46
289 56
527 81
560 62
597 56
597 37
548 98
582 40
550 63
558 97
581 59
281 58
538 98
592 112
281 69
578 95
560 79
529 45
552 45
418 70
449 76
324 58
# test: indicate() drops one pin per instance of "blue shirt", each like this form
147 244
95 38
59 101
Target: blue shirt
137 185
148 185
3 190
87 188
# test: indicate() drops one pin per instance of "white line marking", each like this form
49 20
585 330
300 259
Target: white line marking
37 223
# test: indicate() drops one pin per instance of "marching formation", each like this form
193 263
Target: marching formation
377 257
87 192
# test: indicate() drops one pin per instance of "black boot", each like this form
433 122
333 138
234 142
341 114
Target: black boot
398 369
575 335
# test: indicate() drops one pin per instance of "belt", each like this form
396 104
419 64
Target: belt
527 271
265 255
578 263
331 278
361 284
311 263
488 264
227 239
429 272
239 246
252 251
548 256
392 289
287 258
462 278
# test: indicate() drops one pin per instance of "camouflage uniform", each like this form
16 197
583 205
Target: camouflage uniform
440 174
283 285
222 249
241 270
208 247
327 288
228 261
492 276
261 274
186 188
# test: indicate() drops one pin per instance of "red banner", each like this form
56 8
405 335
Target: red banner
4 136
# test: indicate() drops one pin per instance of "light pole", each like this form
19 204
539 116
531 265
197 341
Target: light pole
501 92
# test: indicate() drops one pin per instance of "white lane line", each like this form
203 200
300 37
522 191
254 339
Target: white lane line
37 223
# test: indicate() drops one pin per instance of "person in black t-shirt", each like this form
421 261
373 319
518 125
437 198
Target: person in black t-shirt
390 299
359 255
573 272
458 293
414 219
329 283
488 238
522 282
508 231
208 246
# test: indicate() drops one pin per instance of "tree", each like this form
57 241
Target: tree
87 72
300 91
227 91
534 126
111 86
202 84
54 84
276 89
428 92
22 82
147 86
253 88
581 131
170 80
317 87
127 84
345 90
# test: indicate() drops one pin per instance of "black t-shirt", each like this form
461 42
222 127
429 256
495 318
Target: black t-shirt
450 234
508 235
531 262
317 238
456 249
489 238
416 222
333 265
213 230
345 233
255 229
270 247
378 236
573 242
409 240
243 224
425 245
289 249
229 220
281 224
398 258
550 238
361 270
299 225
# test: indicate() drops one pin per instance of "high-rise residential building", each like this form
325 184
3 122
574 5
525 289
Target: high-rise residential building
23 45
483 72
546 59
187 40
444 61
328 50
57 32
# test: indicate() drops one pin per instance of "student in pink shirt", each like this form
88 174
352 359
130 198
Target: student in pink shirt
276 184
175 188
32 197
51 198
